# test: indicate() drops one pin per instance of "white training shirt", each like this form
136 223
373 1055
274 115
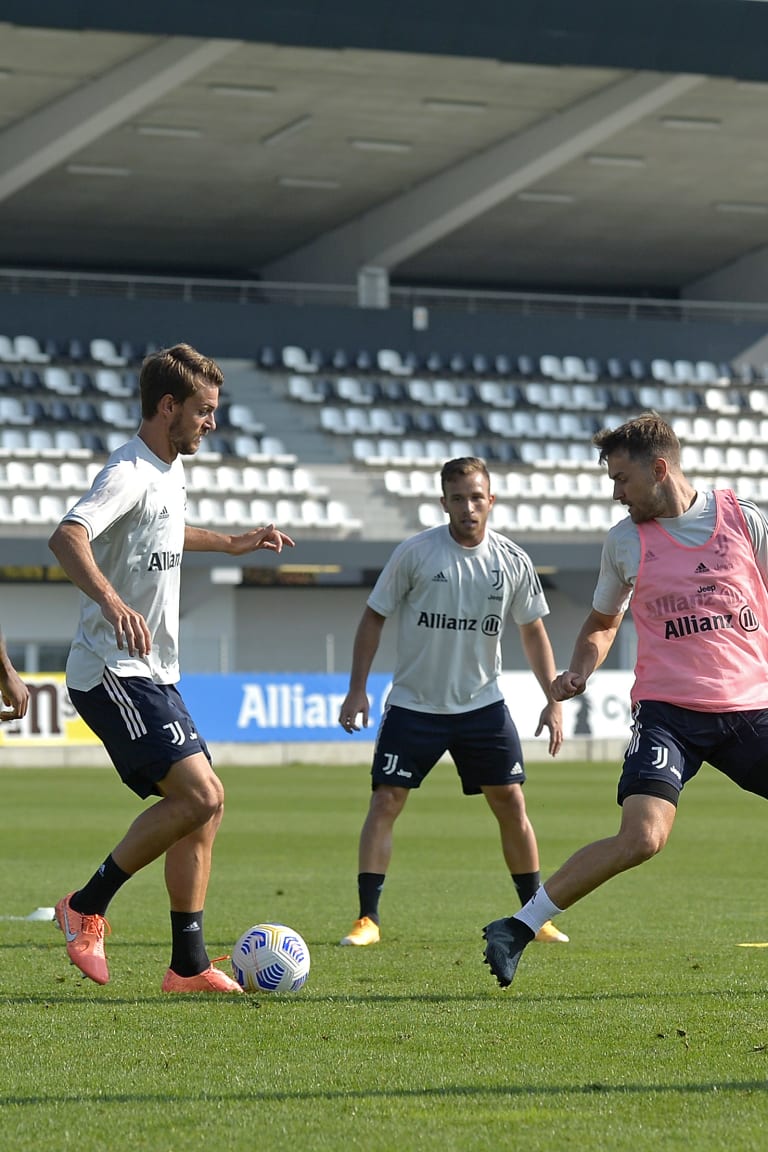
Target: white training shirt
453 605
620 558
134 517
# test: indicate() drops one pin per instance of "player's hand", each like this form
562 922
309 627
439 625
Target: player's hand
15 696
131 629
355 704
552 718
269 538
567 685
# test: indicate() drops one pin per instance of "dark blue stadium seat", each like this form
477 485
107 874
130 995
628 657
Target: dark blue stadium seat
85 412
267 357
82 379
392 390
422 422
133 353
36 412
59 412
93 442
29 379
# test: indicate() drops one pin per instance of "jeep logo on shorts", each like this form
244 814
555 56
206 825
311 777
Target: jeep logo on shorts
748 620
491 625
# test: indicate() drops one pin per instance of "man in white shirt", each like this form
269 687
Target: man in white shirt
455 587
122 545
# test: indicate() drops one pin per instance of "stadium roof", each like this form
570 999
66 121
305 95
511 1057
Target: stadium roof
549 146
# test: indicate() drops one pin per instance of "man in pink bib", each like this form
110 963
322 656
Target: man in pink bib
695 566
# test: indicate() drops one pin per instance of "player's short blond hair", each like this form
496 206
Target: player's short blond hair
179 371
463 466
645 437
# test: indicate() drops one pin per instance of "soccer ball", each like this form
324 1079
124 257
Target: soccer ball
270 958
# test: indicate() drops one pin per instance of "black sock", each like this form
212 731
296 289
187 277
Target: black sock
94 898
369 886
526 884
188 955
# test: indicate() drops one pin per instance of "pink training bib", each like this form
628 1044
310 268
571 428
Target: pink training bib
701 615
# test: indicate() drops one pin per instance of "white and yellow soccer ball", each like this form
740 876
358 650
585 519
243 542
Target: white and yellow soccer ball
270 958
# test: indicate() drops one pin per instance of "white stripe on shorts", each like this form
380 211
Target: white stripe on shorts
125 706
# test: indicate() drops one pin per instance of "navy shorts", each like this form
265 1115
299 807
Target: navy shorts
669 744
145 728
483 744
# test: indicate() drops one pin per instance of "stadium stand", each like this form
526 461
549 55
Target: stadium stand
390 426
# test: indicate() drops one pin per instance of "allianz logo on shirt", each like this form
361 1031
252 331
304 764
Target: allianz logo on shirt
163 561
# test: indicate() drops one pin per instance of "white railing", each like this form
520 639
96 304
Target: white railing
127 286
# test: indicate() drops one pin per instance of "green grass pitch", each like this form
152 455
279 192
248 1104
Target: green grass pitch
648 1031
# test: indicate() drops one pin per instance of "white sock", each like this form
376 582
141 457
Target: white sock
538 910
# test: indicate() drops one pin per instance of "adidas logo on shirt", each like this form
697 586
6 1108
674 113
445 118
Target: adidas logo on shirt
441 578
701 568
164 513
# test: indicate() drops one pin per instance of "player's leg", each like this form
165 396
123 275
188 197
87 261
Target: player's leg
192 793
374 855
520 849
375 848
407 746
143 726
518 840
486 749
660 757
645 826
192 802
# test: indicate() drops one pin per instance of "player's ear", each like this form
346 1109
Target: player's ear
166 404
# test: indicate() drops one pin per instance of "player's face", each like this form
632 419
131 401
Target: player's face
192 419
636 485
468 502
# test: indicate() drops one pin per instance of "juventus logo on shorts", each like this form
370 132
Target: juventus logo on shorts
178 735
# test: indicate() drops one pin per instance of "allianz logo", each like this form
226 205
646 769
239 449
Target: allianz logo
290 705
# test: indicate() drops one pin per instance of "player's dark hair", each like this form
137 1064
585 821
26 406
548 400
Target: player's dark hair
179 372
463 466
645 437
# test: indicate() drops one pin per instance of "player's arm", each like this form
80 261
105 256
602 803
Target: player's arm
593 644
204 540
365 647
72 548
14 691
538 652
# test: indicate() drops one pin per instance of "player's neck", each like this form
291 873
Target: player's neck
156 439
